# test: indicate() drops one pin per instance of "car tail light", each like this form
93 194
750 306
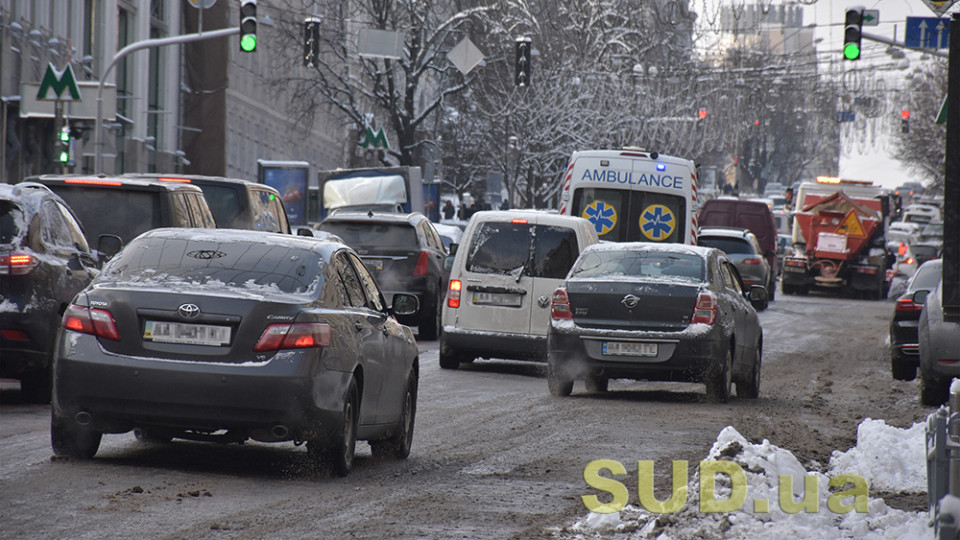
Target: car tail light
795 262
560 306
17 264
92 182
170 179
294 336
705 312
96 322
907 304
14 335
422 264
909 261
751 261
518 221
453 293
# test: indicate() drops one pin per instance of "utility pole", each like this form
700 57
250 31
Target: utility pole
951 184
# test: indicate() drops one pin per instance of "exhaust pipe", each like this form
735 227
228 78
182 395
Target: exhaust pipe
83 418
280 431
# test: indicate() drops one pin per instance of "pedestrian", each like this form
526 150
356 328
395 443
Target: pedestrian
448 210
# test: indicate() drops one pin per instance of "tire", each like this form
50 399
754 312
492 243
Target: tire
901 369
718 385
749 387
933 392
71 440
597 385
339 456
35 387
787 289
449 358
558 386
772 290
429 330
400 444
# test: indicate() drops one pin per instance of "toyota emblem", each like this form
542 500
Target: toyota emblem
189 311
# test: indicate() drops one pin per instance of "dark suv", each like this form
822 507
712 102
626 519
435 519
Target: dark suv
128 207
44 262
236 203
404 253
904 342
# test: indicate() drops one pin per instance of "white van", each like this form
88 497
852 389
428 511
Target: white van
502 280
632 195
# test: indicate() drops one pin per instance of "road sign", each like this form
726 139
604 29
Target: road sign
871 17
58 81
939 7
927 33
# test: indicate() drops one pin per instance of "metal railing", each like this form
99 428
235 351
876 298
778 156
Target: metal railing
943 466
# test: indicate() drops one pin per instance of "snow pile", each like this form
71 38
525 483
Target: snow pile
871 458
805 514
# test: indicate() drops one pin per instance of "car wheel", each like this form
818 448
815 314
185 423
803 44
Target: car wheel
71 440
35 387
718 385
429 329
400 444
902 369
339 456
559 386
597 385
933 392
772 290
787 289
749 387
449 357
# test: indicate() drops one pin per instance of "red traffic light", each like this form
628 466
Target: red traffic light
702 113
905 114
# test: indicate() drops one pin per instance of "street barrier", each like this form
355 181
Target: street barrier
943 466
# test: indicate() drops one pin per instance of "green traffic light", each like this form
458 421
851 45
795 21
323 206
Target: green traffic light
851 51
64 157
248 43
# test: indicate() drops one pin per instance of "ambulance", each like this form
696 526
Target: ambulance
633 195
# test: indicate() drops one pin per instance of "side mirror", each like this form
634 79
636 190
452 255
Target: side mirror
920 297
405 304
757 296
448 260
303 231
108 245
453 248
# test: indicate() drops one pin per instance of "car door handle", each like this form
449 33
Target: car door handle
358 325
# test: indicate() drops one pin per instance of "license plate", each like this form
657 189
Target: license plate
497 299
190 334
629 348
374 266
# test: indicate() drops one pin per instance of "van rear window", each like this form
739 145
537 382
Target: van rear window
124 212
620 215
523 249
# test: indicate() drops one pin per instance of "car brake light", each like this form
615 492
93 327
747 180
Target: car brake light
560 306
909 260
293 336
518 221
17 264
14 335
96 322
705 312
751 261
169 179
795 262
91 182
453 293
421 268
907 304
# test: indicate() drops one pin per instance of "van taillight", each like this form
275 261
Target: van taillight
422 264
92 182
705 312
518 221
96 322
293 336
453 293
179 180
17 264
560 306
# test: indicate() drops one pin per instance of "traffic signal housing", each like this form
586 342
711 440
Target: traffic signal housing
311 41
63 145
905 121
248 25
852 25
523 48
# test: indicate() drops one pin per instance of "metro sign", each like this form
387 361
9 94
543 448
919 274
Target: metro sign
58 81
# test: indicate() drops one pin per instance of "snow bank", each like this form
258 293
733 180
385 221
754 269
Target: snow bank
888 454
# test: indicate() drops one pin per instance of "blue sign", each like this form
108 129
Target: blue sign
927 33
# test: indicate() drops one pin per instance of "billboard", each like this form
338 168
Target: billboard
290 178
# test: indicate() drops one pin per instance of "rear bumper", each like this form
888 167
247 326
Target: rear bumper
18 356
122 392
496 344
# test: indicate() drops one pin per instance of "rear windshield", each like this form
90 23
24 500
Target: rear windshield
523 249
729 246
372 235
123 212
194 263
926 277
11 222
225 205
640 264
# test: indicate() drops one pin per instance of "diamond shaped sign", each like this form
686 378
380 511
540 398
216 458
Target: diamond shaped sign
465 56
939 7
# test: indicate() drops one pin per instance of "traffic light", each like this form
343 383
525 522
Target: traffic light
63 145
311 41
905 121
701 116
248 25
522 77
851 34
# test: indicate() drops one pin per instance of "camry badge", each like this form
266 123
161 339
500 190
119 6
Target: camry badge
189 311
630 301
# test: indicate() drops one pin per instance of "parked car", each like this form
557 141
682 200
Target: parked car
744 250
235 203
921 213
939 341
754 216
904 346
44 262
114 206
449 234
272 337
932 233
901 231
663 312
501 279
904 267
405 255
783 245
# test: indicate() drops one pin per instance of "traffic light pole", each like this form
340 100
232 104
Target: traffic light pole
902 45
950 294
133 47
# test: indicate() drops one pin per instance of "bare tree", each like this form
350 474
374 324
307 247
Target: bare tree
923 149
